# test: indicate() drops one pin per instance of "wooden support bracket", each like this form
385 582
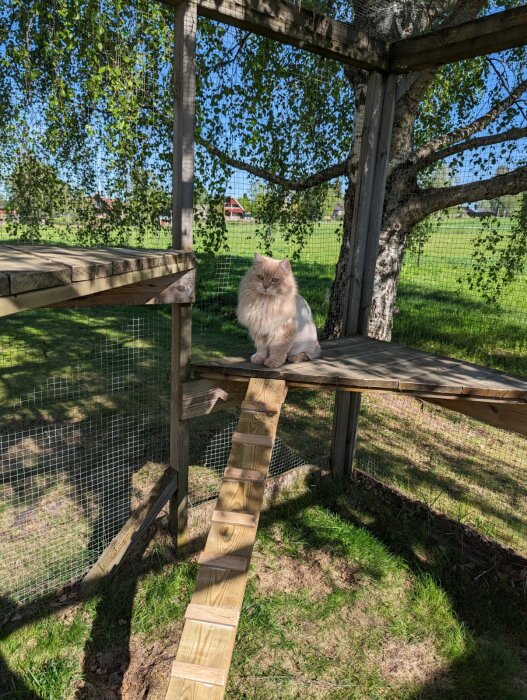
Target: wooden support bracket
203 396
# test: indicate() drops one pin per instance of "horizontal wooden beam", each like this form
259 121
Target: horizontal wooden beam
302 28
497 32
178 288
500 415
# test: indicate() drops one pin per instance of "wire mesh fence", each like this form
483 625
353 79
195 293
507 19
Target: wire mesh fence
85 405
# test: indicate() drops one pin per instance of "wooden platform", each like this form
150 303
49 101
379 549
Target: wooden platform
36 276
362 364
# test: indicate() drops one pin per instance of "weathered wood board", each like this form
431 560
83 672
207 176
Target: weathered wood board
36 276
362 364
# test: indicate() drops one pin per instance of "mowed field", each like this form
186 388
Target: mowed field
347 600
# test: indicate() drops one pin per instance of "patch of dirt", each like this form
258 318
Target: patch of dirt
317 571
111 676
400 662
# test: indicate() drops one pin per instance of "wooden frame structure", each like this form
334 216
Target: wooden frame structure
134 278
340 41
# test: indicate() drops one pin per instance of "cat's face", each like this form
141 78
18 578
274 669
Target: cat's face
269 276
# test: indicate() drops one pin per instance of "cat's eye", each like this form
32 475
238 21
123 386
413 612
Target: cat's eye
275 279
260 277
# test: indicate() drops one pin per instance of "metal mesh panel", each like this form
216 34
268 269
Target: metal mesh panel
461 292
81 447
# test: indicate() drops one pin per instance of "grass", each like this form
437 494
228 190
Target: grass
333 609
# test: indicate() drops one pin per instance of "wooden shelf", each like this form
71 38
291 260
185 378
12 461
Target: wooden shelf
36 276
362 364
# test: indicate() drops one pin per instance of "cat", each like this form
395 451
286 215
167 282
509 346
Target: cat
279 320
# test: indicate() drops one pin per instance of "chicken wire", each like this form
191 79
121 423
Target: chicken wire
86 394
462 292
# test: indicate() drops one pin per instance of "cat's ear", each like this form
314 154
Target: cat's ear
258 258
285 265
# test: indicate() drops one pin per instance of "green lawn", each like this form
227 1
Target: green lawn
339 605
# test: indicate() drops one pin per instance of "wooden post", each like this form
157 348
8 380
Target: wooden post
366 223
185 21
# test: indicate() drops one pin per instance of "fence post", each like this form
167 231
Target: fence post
185 21
365 231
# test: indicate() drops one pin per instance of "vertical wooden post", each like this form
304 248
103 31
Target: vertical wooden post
366 223
185 22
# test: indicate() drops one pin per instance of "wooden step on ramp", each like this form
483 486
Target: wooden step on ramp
202 662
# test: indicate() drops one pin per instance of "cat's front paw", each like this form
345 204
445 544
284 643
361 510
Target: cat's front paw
273 362
301 357
258 358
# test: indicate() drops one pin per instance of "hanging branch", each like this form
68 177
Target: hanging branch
477 142
324 175
463 132
426 202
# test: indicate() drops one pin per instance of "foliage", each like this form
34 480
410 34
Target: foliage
36 197
500 255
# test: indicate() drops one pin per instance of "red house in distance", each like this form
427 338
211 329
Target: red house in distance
233 209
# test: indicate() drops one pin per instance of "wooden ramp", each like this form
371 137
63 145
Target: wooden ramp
204 655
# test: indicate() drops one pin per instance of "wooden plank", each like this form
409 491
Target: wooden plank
242 496
203 396
209 632
46 297
28 272
184 71
203 674
377 365
303 28
235 518
193 690
248 439
243 474
216 560
140 520
81 268
511 417
478 37
366 221
213 614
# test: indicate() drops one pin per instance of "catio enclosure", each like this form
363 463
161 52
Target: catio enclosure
403 224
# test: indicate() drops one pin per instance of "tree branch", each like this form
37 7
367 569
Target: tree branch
465 131
324 175
478 142
427 201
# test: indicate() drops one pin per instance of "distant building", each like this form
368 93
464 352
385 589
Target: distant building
233 209
338 211
103 205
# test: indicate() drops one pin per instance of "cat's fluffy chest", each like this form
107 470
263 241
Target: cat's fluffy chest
264 314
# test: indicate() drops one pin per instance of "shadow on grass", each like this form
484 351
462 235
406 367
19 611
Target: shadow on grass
487 608
454 325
